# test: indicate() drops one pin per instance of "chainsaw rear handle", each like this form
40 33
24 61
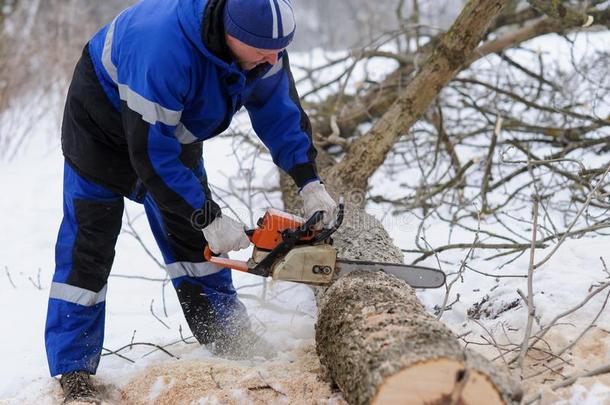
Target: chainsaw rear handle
290 237
225 261
208 255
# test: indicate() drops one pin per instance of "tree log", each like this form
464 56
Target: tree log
373 336
381 346
384 348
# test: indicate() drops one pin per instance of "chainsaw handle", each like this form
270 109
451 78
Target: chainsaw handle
310 223
325 234
208 255
225 261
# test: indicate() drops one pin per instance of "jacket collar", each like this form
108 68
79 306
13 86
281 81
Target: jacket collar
213 32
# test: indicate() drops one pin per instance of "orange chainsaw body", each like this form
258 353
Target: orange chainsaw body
270 227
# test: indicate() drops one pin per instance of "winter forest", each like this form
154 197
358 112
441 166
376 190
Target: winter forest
470 137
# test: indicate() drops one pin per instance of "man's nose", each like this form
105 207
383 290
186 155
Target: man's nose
272 59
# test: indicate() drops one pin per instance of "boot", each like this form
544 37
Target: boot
78 388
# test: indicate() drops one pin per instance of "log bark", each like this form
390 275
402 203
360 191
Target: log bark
379 358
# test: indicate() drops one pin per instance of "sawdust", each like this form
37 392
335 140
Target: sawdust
297 378
295 381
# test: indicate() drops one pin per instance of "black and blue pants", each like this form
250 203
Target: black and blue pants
84 254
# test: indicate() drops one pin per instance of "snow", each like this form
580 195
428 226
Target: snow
284 313
588 396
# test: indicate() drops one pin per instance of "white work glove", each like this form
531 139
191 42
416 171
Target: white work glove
225 234
316 198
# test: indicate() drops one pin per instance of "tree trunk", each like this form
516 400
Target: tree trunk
381 346
373 336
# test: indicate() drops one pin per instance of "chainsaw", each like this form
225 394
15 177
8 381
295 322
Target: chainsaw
289 248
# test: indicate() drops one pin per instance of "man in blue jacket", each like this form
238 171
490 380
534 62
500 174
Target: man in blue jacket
153 84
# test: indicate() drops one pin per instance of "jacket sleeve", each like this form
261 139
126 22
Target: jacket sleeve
281 123
152 96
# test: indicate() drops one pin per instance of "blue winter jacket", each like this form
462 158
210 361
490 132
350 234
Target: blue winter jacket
171 90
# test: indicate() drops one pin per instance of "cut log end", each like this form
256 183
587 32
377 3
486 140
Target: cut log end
438 382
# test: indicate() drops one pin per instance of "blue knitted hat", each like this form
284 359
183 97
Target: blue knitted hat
264 24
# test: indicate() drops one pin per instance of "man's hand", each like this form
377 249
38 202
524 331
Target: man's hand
225 234
315 198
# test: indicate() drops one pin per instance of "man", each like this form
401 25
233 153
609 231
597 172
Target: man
153 84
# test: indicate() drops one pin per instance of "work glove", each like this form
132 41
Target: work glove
225 234
316 198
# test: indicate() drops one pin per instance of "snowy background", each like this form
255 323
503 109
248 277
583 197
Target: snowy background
146 310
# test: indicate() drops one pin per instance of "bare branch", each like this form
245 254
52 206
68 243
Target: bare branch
531 310
558 10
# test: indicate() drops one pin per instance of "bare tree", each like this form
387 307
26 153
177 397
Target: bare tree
40 42
421 117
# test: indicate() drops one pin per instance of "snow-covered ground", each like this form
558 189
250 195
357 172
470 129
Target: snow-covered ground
31 207
284 313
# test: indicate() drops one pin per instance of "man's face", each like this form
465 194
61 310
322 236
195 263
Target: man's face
248 57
